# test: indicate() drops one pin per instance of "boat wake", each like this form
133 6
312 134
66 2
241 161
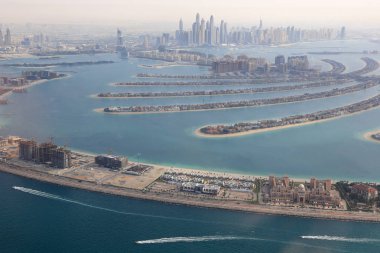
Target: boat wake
194 239
339 238
59 198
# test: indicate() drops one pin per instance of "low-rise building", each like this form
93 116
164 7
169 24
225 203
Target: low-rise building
112 162
364 191
200 188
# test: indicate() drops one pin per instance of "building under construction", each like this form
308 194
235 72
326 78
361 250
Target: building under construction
45 153
61 158
28 150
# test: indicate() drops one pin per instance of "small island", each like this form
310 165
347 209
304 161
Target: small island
373 136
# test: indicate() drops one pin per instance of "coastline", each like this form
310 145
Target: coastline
198 133
31 84
9 56
368 136
242 206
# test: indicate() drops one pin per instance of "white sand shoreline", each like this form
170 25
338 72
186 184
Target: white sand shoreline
368 136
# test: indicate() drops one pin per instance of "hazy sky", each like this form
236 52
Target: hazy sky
305 13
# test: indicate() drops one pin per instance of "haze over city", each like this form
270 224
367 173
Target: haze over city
147 14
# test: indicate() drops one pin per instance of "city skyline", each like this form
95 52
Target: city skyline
148 14
204 31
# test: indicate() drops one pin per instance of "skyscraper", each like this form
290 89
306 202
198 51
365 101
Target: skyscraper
197 27
225 31
343 33
211 36
119 40
181 25
181 35
1 38
221 32
8 38
261 24
202 33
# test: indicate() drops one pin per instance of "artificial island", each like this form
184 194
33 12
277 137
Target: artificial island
314 198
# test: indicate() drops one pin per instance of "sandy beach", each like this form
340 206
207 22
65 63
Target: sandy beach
368 136
29 85
199 171
200 134
15 55
165 65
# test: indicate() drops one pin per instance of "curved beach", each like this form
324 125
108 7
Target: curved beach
199 133
368 136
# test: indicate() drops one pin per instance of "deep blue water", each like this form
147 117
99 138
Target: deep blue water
105 223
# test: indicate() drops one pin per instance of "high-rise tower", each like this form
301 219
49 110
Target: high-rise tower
221 32
181 25
7 38
343 33
211 36
119 40
1 38
202 33
197 28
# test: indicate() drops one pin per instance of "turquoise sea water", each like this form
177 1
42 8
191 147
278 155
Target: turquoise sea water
50 218
47 218
64 108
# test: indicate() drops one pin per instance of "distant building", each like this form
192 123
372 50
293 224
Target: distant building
1 38
119 40
112 162
343 33
7 38
39 74
280 63
298 63
365 191
241 64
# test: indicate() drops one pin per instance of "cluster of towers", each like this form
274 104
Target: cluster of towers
209 33
5 40
203 32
